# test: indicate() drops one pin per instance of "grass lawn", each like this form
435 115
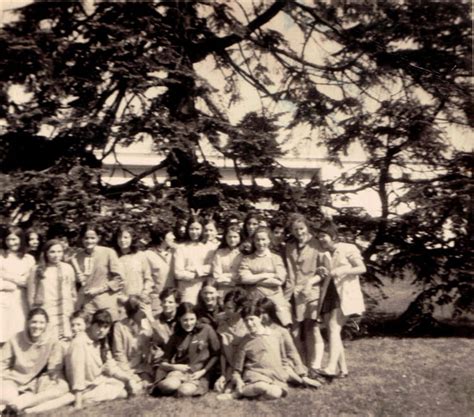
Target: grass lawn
388 377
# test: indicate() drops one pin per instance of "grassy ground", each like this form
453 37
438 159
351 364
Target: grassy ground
388 377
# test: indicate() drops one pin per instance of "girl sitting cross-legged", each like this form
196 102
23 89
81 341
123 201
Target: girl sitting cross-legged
92 372
297 372
231 330
192 351
131 338
31 367
258 362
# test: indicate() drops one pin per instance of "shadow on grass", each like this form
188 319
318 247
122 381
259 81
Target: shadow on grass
389 325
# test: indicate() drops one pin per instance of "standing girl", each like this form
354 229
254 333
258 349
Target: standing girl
208 307
33 242
251 223
191 262
263 274
304 258
99 273
52 285
135 267
225 266
159 257
190 354
343 296
15 268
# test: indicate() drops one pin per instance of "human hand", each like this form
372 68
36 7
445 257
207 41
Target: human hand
182 367
239 386
220 384
197 375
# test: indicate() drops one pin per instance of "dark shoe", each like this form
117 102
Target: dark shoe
10 411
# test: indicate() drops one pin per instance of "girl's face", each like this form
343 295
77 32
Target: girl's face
300 231
232 239
33 241
55 253
229 309
188 322
99 330
195 231
124 240
254 324
78 325
169 305
262 241
13 242
210 232
37 326
209 296
90 240
326 240
251 226
170 240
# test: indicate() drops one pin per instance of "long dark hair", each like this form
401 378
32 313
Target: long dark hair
194 219
234 228
17 231
103 318
184 308
118 233
251 215
268 306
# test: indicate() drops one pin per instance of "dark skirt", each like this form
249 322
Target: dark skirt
331 299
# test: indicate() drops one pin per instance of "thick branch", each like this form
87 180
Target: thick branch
216 44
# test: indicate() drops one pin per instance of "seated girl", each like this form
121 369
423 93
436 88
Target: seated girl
192 351
31 365
297 372
164 324
52 286
208 308
231 329
263 274
258 362
226 262
92 372
131 340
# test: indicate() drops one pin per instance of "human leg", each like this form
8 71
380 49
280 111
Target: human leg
170 383
8 391
64 400
335 321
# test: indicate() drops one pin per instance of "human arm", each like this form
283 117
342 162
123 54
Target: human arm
180 270
217 269
118 346
146 274
354 264
248 277
31 285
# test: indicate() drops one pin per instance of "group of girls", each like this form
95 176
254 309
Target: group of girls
242 315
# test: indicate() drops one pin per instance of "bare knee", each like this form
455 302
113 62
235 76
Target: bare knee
273 392
186 390
169 385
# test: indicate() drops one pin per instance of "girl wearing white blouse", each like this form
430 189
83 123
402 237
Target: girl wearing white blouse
192 263
343 297
226 262
15 268
52 286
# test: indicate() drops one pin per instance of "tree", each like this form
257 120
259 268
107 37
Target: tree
388 75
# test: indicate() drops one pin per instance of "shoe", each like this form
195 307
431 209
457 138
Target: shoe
326 374
352 324
10 411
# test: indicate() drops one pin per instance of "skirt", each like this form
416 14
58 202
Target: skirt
331 300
